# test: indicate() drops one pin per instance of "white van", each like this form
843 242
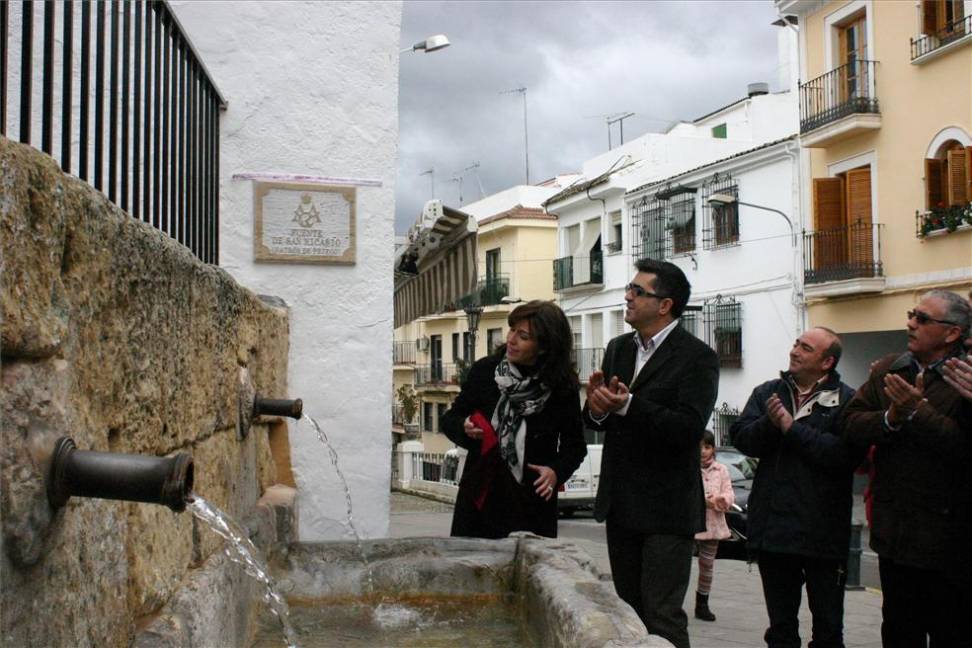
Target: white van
581 488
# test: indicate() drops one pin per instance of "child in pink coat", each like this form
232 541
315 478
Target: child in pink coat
718 498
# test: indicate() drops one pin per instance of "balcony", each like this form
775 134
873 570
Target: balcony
489 292
952 36
579 271
403 353
586 361
843 261
437 375
839 104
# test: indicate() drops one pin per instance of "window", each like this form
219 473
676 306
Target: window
440 410
575 323
619 323
436 360
720 226
691 320
494 338
948 177
843 241
722 420
467 350
648 228
427 423
719 132
683 225
571 239
723 327
456 354
492 264
943 18
615 243
852 39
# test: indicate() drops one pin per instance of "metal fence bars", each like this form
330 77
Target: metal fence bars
118 96
843 91
952 31
720 223
571 271
848 252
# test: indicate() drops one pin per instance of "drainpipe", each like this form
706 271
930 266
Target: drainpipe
794 152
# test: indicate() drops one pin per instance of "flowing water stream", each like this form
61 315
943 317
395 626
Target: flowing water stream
243 552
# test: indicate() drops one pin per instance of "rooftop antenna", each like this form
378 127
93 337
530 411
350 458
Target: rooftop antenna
458 180
431 174
474 167
612 119
526 141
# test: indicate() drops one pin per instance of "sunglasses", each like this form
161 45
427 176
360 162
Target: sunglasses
923 318
641 292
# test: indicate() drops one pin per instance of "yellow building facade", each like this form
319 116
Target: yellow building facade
514 251
886 128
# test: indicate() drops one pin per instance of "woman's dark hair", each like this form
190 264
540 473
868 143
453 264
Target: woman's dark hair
554 341
708 438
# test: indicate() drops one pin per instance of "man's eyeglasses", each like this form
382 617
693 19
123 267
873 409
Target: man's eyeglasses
923 318
641 292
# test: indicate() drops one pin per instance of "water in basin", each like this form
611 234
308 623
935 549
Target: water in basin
486 620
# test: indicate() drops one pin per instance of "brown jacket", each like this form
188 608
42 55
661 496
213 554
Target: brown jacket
922 497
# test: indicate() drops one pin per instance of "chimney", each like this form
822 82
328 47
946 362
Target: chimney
754 89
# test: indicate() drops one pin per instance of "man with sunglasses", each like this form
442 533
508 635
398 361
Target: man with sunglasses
921 517
653 397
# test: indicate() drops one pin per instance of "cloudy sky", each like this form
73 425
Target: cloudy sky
579 61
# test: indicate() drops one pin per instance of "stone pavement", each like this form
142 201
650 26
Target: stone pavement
736 599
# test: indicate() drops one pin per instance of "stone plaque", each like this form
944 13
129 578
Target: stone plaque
303 223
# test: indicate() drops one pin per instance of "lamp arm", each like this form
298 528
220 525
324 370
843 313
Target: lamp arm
775 211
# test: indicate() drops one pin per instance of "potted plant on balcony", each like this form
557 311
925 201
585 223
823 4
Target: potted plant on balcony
945 218
409 402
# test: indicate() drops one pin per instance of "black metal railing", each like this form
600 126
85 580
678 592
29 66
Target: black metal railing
722 419
846 90
403 352
586 361
489 292
849 252
437 374
722 319
571 271
146 132
951 32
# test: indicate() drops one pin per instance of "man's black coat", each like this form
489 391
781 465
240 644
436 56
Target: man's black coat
650 474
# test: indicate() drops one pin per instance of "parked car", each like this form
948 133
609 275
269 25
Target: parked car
579 491
742 469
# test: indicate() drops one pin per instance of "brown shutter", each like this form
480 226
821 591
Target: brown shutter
829 240
968 172
958 177
860 241
934 181
929 16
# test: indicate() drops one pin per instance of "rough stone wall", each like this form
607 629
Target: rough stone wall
117 336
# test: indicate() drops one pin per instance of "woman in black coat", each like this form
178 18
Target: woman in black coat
519 416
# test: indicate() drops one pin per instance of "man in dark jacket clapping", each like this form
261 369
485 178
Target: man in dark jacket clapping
800 506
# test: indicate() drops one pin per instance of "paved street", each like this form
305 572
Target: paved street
736 599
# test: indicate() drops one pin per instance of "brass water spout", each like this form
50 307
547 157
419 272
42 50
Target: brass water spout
109 475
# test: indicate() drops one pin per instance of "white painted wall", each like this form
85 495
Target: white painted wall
312 88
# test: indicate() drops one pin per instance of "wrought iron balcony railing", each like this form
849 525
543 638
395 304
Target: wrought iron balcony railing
586 361
953 31
571 271
846 90
437 374
489 292
403 352
849 252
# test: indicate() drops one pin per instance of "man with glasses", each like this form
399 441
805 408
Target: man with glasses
653 397
921 517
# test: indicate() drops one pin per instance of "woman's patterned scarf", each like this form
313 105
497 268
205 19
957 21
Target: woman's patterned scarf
519 397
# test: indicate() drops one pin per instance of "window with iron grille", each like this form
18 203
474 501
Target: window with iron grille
722 419
691 320
723 326
682 224
720 222
648 223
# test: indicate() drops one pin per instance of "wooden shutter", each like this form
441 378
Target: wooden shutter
968 172
929 16
860 235
958 177
934 182
829 241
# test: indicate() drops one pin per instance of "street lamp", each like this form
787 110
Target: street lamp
473 313
724 200
430 44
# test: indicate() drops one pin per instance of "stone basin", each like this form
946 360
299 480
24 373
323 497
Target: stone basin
550 589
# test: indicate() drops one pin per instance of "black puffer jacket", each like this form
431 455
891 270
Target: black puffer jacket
801 497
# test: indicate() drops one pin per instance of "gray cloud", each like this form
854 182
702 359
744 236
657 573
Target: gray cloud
661 60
